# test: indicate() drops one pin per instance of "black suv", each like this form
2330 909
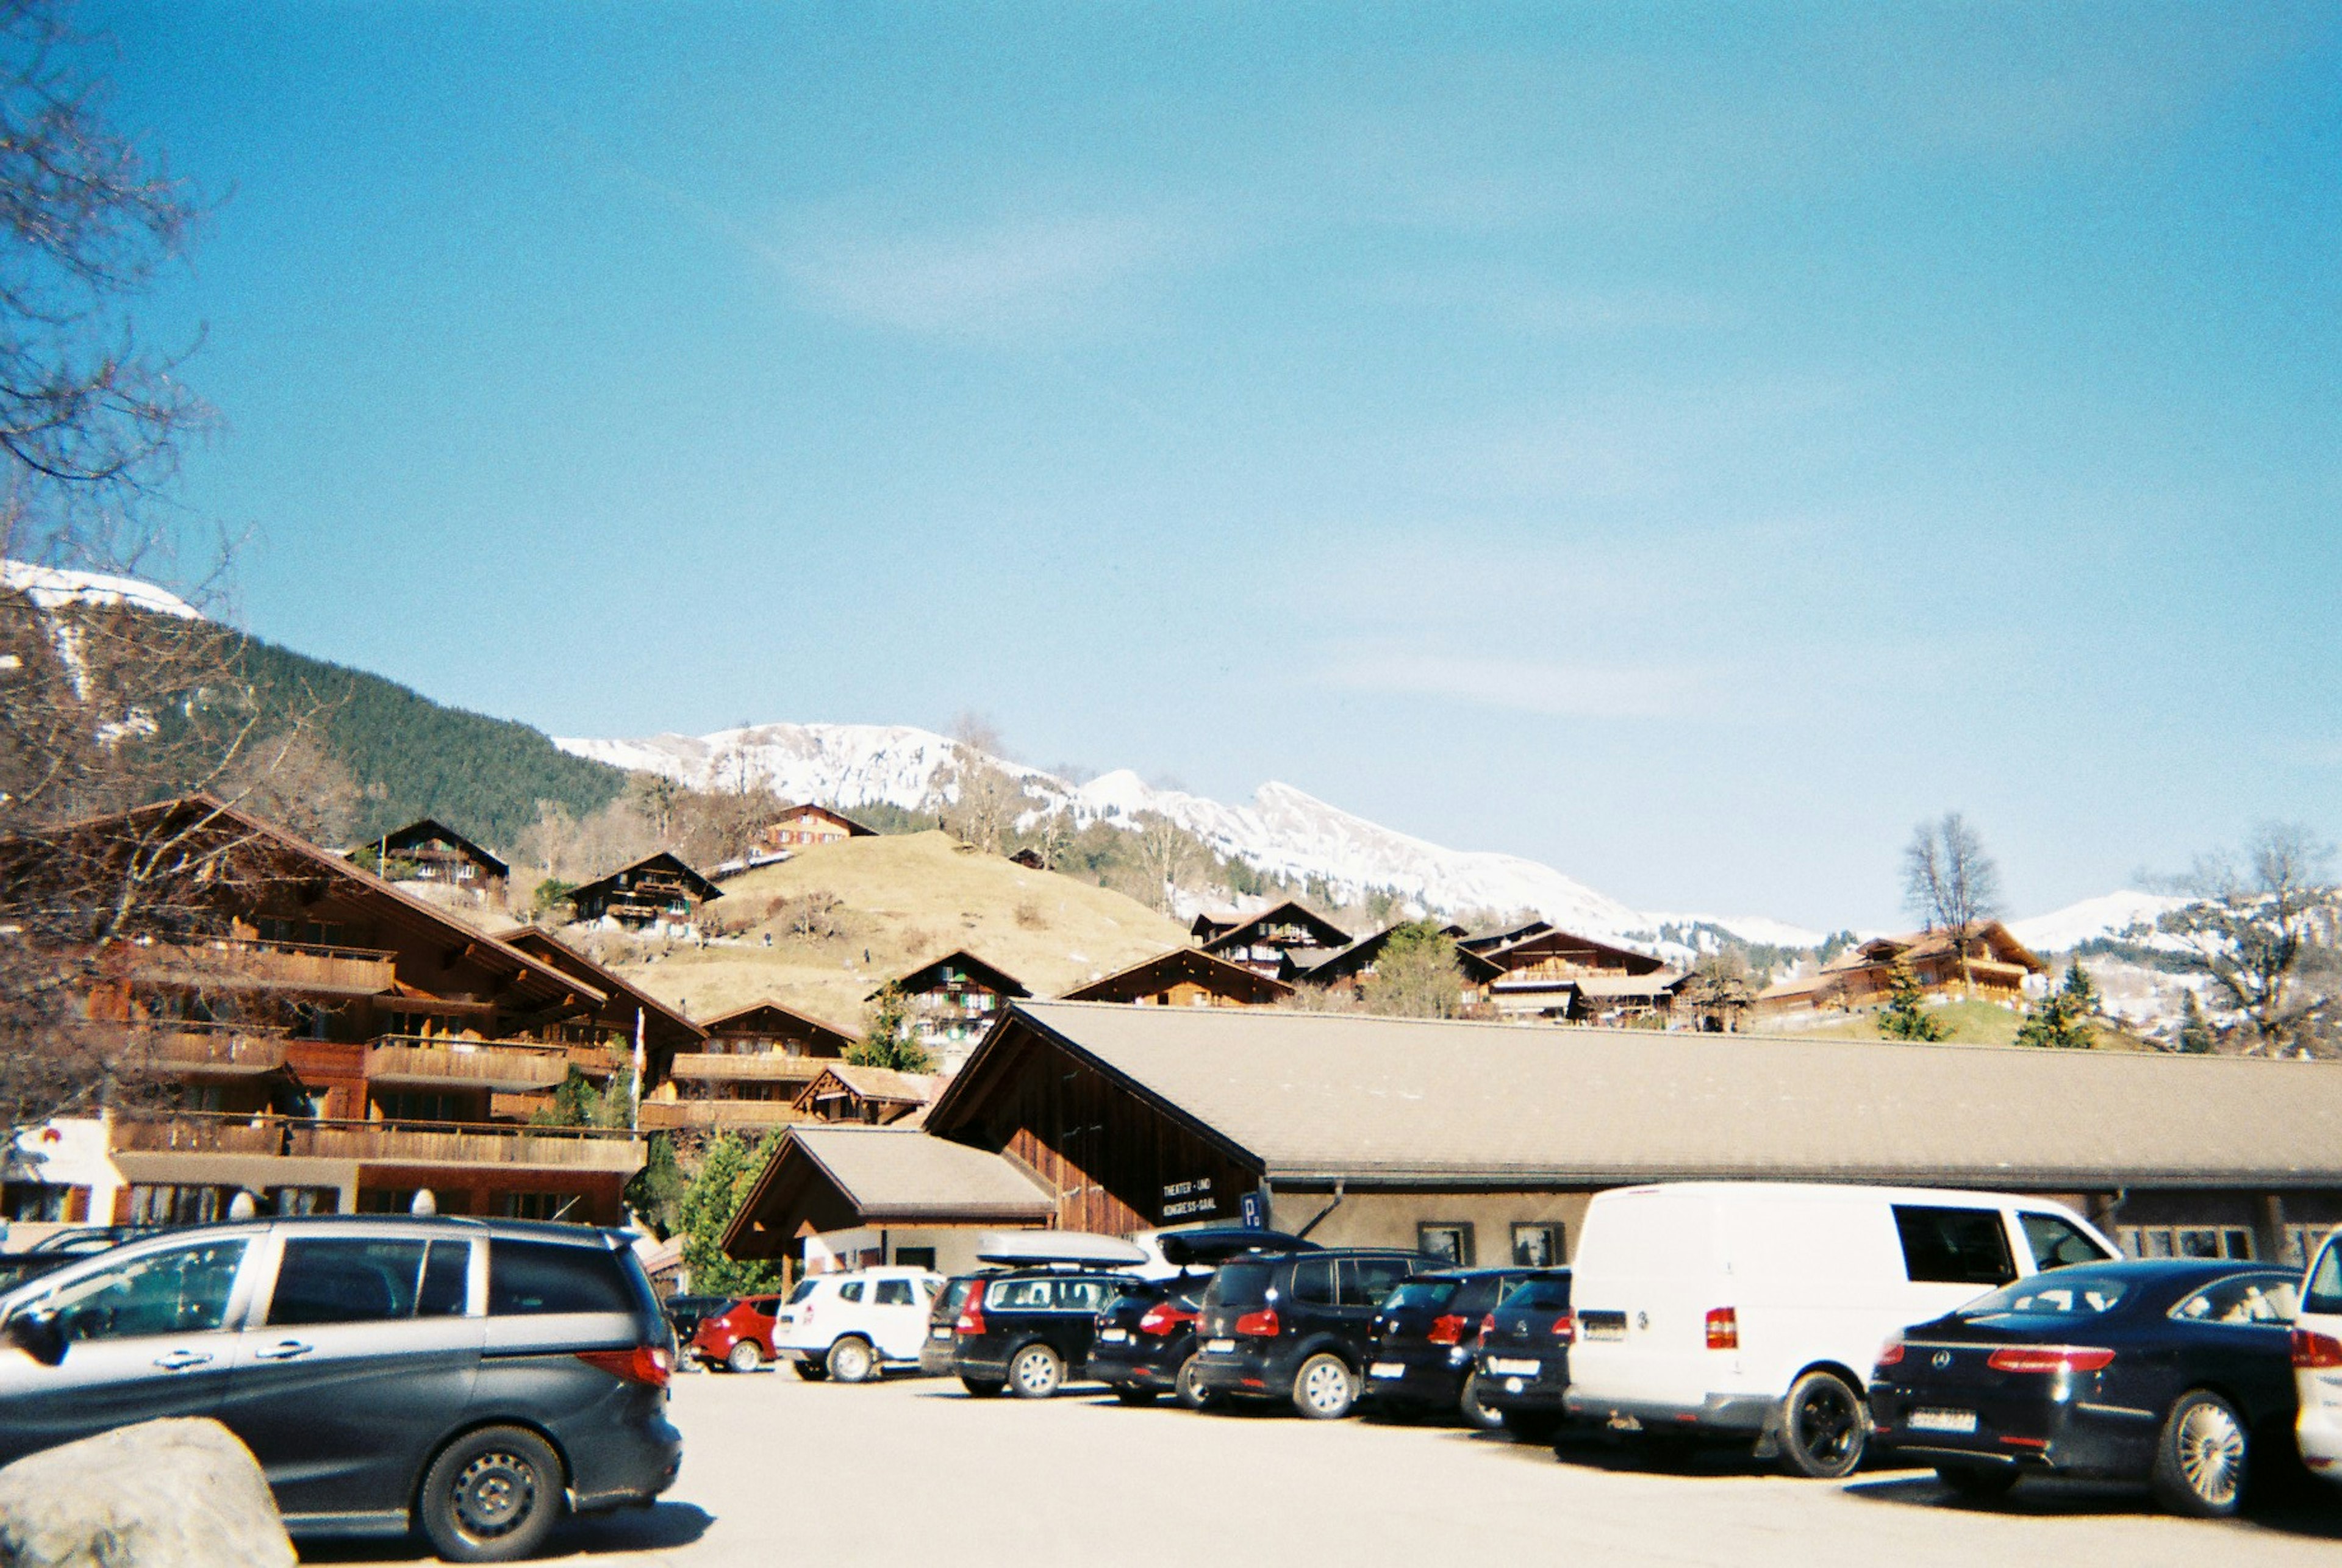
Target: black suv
1029 1329
1523 1361
935 1352
1421 1356
1146 1336
1298 1327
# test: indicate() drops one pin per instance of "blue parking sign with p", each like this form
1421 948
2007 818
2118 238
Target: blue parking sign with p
1256 1211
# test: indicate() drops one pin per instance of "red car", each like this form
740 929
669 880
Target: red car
740 1336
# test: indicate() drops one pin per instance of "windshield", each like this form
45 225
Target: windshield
2064 1293
804 1289
1538 1295
1422 1296
1242 1285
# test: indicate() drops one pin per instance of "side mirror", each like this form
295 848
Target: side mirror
39 1335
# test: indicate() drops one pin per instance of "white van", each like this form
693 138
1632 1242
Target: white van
852 1326
2317 1362
1756 1309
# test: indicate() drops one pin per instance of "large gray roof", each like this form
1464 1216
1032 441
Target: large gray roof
1316 1096
889 1174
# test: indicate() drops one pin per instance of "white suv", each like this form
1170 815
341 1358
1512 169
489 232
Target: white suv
852 1325
2317 1362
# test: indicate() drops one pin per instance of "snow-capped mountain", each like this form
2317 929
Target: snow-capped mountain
54 587
1283 832
2128 915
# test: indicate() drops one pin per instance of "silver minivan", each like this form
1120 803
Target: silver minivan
476 1378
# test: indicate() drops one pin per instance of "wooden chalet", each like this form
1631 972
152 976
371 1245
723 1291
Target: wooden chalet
804 826
1354 965
434 853
1280 942
329 1042
1185 977
1989 966
656 893
1545 973
758 1060
951 1004
875 1096
627 1017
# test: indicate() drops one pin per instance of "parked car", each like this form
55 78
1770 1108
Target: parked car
1029 1330
936 1354
472 1378
739 1337
1146 1343
2317 1362
853 1325
58 1248
2176 1373
1523 1357
687 1312
1298 1328
1420 1352
1753 1310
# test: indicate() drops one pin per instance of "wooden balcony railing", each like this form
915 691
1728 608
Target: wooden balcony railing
596 1060
386 1142
708 1115
230 963
217 1048
512 1065
702 1066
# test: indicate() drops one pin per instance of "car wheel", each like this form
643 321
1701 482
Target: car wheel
1823 1426
811 1371
1323 1390
850 1360
1476 1410
981 1387
1034 1373
492 1495
1529 1426
746 1356
2201 1458
1189 1389
1977 1483
1129 1395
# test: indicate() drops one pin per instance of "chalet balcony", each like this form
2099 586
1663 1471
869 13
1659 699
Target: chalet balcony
217 1050
386 1142
715 1115
429 1062
698 1067
598 1061
239 964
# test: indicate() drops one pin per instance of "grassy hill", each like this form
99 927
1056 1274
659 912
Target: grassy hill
1972 1023
902 900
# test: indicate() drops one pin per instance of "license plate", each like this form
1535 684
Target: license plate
939 1334
1114 1336
1942 1420
1602 1324
1505 1367
1387 1369
1220 1346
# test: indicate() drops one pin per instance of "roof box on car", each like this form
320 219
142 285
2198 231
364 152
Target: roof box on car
1206 1245
1038 1248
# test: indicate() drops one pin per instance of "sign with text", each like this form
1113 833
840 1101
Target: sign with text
1183 1198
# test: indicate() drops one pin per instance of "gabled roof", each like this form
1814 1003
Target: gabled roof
205 824
881 1085
1359 955
1987 936
1290 913
1538 947
1317 1096
931 974
876 1176
701 888
425 829
769 1018
1481 942
853 828
1166 970
661 1023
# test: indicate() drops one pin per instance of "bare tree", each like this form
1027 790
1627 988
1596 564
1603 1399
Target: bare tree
1166 852
2266 928
1949 882
985 802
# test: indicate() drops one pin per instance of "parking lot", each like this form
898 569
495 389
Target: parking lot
865 1474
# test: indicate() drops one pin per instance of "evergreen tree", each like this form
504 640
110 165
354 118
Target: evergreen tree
886 1041
727 1173
1905 1017
2195 1036
655 1192
2061 1020
1414 975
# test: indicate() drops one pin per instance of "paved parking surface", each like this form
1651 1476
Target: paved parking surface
777 1469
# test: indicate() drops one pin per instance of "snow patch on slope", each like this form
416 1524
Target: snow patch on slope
2128 913
54 587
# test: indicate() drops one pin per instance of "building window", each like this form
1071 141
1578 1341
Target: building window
2185 1241
535 1205
915 1257
1448 1240
1537 1247
386 1200
2301 1244
35 1203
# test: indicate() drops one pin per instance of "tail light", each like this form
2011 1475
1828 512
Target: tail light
1162 1318
2048 1358
1447 1329
1261 1324
1723 1328
1565 1329
1890 1352
971 1317
2315 1349
646 1363
1487 1322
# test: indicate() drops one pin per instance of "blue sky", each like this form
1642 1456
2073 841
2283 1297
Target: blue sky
1685 444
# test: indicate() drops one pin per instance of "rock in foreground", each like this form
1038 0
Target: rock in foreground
161 1495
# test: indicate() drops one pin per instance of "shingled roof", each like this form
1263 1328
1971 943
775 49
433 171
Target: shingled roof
883 1176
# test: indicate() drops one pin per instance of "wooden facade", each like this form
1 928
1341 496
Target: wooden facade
656 893
1185 977
875 1096
953 1003
807 826
434 853
1283 943
1350 969
1989 964
1543 971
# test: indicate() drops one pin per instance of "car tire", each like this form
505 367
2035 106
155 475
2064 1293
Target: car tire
1825 1426
811 1371
982 1387
1128 1394
1477 1412
1188 1388
2202 1457
492 1495
1529 1426
851 1360
746 1356
1035 1372
1325 1389
1977 1483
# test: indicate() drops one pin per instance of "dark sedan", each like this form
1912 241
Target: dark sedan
2175 1373
1146 1340
1523 1357
1422 1343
